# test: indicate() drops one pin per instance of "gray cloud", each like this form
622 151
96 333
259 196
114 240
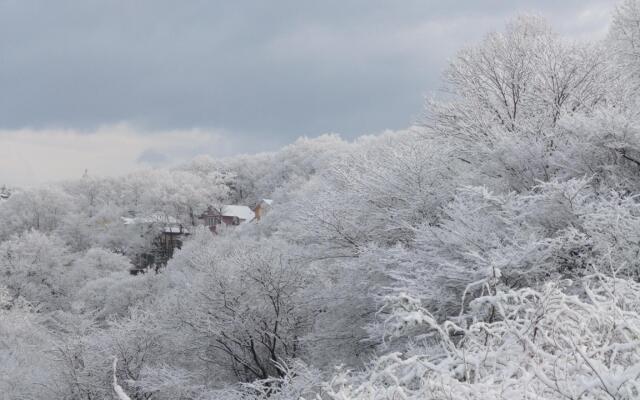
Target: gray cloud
153 158
268 71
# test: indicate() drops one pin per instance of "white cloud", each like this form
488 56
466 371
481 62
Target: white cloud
29 157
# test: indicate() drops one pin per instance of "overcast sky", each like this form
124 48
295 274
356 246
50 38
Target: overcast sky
111 86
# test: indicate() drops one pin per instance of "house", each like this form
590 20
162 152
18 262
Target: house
228 214
261 208
166 235
211 218
167 242
236 215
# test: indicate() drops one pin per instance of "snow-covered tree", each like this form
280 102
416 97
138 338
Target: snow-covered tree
256 292
624 36
33 267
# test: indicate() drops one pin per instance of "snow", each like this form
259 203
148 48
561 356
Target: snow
242 212
175 229
151 219
172 225
122 395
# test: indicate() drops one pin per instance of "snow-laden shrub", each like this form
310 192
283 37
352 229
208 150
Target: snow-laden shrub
526 344
559 230
604 145
298 381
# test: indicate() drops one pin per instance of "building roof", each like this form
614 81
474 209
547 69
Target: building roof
176 229
151 219
242 212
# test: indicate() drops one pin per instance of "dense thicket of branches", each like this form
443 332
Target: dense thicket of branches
490 253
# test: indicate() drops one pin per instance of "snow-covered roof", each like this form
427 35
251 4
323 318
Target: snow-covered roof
175 229
242 212
171 225
151 219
